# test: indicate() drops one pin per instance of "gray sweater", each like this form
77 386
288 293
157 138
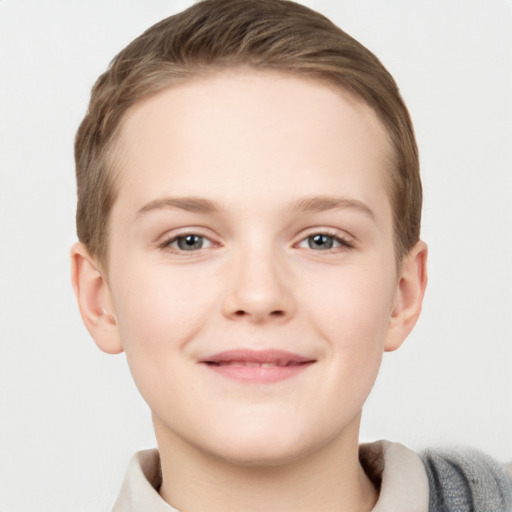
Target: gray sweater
466 481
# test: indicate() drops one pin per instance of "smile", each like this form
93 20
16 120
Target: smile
253 364
263 366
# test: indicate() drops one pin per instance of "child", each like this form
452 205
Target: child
248 212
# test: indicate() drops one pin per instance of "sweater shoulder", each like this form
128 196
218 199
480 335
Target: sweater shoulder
466 480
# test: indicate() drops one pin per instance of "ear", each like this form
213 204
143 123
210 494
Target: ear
411 284
94 300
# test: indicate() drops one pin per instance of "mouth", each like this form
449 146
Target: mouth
257 366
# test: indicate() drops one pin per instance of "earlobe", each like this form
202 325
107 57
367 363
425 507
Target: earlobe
410 291
93 295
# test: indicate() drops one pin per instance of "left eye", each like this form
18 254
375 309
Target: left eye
322 242
189 242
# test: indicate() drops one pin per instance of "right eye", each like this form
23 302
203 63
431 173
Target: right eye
187 242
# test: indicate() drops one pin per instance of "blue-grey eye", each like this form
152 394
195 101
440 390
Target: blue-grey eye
190 242
321 242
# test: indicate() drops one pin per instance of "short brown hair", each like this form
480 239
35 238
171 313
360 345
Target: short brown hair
213 34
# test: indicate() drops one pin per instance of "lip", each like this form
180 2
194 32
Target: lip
261 366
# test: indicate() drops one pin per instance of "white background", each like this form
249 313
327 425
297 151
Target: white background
71 416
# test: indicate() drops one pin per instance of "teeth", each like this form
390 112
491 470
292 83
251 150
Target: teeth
249 364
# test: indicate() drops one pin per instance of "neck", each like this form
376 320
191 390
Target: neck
331 478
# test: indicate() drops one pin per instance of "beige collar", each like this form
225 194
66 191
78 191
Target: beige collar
402 477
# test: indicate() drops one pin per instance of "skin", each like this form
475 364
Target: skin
274 160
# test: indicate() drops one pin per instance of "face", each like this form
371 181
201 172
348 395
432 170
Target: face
252 274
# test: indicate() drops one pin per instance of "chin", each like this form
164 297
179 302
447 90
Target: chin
264 445
260 455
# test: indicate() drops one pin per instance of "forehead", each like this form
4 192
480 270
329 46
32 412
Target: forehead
260 130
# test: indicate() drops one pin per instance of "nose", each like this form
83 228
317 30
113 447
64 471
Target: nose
260 289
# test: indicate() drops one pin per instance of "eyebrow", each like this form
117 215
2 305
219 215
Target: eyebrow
189 204
306 204
325 202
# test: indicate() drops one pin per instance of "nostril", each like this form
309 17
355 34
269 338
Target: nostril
276 314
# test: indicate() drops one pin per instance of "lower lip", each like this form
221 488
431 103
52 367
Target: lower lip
259 374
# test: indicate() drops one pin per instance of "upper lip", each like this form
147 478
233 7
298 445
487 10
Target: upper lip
272 357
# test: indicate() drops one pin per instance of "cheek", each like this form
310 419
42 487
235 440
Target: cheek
355 310
353 317
159 310
157 315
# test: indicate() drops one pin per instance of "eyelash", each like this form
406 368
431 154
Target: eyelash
343 243
168 244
